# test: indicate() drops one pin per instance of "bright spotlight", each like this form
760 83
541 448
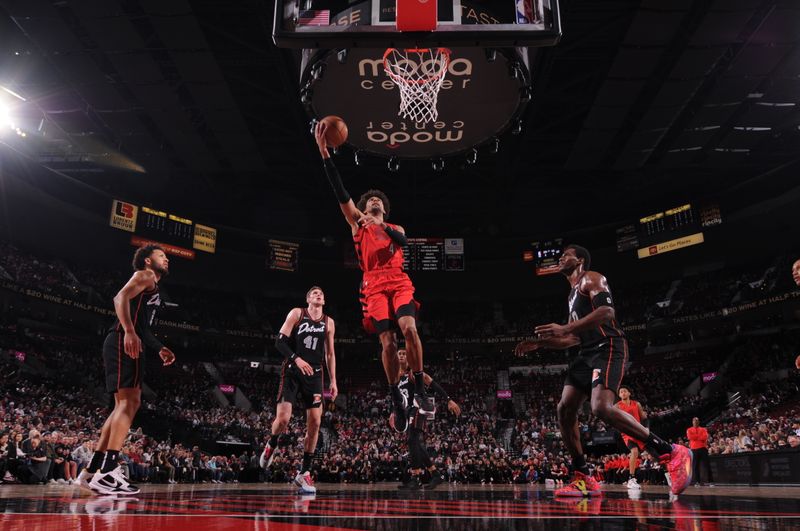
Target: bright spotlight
5 118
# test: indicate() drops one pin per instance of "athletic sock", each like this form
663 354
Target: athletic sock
419 383
96 463
273 441
579 465
658 444
110 462
307 457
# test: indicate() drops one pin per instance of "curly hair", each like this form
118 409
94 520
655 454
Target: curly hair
362 202
142 253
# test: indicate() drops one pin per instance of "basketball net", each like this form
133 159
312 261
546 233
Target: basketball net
419 74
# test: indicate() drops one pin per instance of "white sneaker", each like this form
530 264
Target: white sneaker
83 480
305 482
61 481
112 483
52 482
266 456
633 484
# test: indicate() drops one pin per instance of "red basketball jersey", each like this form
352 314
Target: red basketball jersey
376 250
632 409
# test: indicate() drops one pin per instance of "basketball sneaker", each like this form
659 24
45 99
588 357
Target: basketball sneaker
426 405
679 467
581 485
633 484
112 482
412 483
436 479
305 482
400 414
84 478
266 456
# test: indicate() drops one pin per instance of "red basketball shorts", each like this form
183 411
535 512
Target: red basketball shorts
386 295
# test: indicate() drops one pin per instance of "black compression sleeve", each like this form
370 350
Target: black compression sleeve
282 344
336 181
439 390
397 237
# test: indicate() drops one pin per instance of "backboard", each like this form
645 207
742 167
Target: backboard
372 23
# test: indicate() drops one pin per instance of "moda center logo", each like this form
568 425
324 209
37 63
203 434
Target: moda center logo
372 76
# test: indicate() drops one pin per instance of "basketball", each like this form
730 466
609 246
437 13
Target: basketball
336 132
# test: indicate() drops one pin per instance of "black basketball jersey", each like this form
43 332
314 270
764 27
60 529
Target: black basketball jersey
143 311
406 386
580 305
310 339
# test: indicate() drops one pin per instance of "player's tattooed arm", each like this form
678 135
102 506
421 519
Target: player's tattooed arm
140 281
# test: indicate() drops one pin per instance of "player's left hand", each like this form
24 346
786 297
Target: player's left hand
334 391
551 330
391 421
797 362
367 219
452 407
167 356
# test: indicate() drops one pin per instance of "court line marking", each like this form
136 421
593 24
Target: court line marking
382 517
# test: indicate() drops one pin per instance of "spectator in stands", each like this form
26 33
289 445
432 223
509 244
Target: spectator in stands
698 442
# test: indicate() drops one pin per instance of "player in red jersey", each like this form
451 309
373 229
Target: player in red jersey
635 410
387 294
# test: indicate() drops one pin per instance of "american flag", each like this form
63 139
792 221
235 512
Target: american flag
312 17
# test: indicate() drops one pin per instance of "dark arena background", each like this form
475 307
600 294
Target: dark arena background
663 136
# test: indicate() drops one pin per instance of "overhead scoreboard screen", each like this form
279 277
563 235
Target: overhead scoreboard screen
434 254
172 231
544 255
669 230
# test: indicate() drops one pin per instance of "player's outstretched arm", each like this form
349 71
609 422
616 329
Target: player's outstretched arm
551 343
349 210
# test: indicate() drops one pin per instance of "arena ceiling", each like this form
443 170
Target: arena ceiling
188 105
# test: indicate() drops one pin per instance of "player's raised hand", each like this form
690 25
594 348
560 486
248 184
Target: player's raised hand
133 345
524 347
319 136
304 367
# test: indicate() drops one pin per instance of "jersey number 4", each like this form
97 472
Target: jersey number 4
311 342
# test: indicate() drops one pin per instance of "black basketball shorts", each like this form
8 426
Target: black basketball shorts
122 371
603 364
298 389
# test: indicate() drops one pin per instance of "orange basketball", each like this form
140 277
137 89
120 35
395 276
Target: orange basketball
336 131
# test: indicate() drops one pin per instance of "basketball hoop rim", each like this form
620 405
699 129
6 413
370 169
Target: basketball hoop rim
445 52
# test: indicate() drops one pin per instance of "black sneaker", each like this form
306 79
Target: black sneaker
426 405
413 483
400 414
436 479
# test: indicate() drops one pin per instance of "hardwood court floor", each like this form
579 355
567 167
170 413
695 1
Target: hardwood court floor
201 507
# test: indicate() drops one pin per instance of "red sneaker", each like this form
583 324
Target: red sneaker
582 485
679 467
